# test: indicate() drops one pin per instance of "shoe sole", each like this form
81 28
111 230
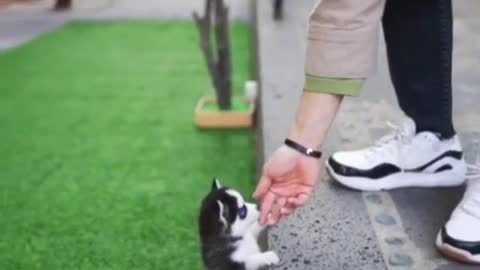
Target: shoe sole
450 178
456 254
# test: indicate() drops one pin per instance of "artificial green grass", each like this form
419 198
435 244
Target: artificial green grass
101 166
238 105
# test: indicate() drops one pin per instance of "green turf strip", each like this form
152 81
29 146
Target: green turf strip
101 166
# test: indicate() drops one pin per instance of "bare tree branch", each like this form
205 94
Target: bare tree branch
219 63
223 47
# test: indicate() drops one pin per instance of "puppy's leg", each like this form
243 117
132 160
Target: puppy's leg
256 229
255 261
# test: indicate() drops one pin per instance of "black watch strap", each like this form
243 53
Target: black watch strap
302 149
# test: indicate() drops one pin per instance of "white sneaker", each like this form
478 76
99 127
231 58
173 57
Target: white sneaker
460 238
401 159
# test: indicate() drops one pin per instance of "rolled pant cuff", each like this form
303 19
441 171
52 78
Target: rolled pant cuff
338 86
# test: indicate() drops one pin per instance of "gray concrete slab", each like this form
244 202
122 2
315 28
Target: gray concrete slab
329 233
240 10
321 235
166 9
14 31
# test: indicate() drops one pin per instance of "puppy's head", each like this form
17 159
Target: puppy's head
224 211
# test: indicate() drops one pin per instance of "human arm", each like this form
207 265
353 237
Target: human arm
288 177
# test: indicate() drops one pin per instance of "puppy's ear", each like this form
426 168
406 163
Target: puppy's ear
216 184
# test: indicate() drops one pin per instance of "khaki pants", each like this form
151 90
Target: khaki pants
342 45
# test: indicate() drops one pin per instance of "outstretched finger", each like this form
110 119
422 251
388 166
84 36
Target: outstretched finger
262 187
286 211
275 212
299 200
267 204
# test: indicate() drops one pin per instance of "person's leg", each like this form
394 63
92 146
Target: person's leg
459 239
425 152
277 9
418 35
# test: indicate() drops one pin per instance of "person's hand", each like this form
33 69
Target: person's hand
289 176
286 183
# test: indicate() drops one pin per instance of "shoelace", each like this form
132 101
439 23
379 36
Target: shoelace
396 136
471 204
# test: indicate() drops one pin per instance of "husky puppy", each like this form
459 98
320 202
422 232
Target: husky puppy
229 230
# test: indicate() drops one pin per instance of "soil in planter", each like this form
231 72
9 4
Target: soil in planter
238 105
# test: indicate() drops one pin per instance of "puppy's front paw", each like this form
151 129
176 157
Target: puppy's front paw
271 258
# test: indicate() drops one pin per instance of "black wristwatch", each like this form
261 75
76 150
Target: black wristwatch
303 149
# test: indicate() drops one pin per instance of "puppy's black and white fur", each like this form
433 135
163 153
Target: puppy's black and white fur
229 230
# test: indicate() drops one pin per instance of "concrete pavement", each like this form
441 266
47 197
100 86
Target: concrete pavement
21 23
14 32
128 9
340 228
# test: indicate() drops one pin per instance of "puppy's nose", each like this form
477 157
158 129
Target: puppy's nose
257 207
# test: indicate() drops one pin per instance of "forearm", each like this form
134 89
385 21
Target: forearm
315 115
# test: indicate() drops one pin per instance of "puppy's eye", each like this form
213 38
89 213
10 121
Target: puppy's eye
242 212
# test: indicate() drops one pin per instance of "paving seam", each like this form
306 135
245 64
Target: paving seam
399 252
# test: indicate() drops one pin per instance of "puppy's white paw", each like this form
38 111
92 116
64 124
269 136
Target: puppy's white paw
271 258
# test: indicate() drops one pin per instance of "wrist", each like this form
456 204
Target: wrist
302 149
308 138
315 114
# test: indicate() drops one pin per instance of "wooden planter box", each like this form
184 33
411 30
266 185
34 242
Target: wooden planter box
223 119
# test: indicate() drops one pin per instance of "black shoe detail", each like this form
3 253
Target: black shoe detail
453 154
377 172
386 169
444 168
471 247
